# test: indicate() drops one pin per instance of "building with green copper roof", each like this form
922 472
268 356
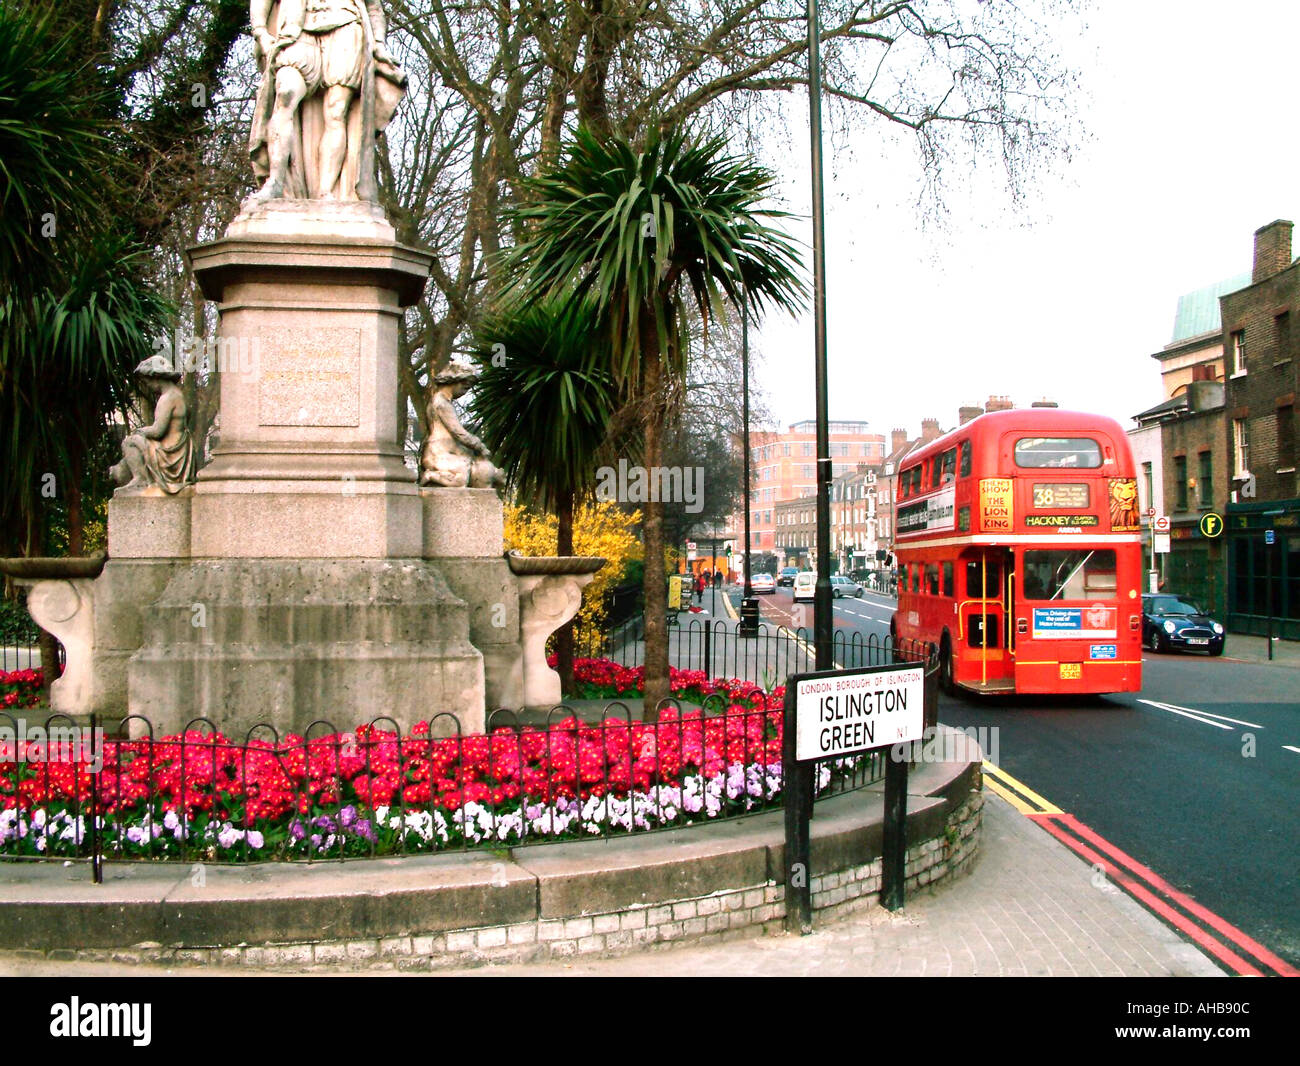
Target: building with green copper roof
1198 312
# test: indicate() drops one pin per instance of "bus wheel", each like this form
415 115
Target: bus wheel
946 680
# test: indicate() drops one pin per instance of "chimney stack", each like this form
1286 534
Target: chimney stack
930 429
966 414
999 403
1044 403
1272 249
897 439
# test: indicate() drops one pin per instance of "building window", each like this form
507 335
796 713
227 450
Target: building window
1239 352
1282 322
1149 483
1286 439
1180 482
807 449
1205 480
1240 448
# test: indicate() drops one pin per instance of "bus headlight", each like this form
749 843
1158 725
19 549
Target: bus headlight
1218 630
1170 627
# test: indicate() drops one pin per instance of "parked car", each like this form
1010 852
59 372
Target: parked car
787 575
762 583
1170 621
844 586
805 586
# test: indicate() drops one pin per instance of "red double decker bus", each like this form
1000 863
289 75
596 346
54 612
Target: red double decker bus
1019 554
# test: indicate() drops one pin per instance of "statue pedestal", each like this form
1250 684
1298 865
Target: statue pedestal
308 591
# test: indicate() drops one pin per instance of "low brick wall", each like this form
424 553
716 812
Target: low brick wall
704 884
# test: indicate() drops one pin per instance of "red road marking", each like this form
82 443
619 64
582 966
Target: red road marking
1159 906
1190 905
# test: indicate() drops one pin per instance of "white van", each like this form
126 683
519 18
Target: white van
805 586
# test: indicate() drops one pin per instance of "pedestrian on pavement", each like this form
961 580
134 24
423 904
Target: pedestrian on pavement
699 587
717 579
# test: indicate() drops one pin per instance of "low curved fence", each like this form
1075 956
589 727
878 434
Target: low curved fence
117 792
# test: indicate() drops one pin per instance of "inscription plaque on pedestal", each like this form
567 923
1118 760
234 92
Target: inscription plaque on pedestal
310 377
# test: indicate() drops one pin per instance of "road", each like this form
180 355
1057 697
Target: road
1196 778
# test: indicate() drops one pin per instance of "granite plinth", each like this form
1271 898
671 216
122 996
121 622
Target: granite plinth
249 641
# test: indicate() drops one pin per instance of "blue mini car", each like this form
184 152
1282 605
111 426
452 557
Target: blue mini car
1170 622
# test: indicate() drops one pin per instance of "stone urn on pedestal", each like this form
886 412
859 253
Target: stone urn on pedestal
550 593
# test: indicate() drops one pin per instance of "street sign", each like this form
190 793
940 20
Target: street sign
1151 512
859 709
1162 523
1211 524
1270 537
831 713
1161 545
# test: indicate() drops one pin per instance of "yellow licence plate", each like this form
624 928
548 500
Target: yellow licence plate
1071 671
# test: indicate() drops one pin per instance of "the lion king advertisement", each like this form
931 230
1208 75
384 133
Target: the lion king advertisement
1124 515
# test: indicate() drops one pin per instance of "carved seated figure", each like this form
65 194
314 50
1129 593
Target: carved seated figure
162 453
452 456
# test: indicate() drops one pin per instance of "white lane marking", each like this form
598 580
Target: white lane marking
1211 714
1197 716
1290 747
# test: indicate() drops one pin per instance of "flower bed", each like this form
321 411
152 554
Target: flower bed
20 688
375 792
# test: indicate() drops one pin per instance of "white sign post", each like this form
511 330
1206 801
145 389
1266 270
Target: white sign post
855 711
831 714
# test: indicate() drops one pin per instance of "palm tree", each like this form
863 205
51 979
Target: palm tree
643 232
75 315
544 405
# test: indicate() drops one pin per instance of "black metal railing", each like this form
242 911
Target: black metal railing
715 647
68 793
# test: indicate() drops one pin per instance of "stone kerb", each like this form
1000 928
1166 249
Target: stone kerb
710 882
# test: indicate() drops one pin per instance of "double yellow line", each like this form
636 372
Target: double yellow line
1019 795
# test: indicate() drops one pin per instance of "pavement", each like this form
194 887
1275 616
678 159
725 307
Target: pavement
1029 907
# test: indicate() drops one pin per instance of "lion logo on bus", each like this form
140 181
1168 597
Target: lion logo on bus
1124 505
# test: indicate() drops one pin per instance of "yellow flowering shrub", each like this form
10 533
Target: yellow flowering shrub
599 528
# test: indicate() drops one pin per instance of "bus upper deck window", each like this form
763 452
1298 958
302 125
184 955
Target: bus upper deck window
1058 453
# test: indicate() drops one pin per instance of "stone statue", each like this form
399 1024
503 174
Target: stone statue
452 456
162 453
329 86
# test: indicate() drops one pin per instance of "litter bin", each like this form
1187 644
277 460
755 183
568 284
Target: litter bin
749 617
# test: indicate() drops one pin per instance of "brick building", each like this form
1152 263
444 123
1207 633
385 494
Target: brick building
1259 336
1179 449
785 468
795 536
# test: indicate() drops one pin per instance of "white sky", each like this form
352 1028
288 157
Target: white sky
1191 108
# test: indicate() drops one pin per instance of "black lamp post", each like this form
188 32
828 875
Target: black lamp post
822 602
748 601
